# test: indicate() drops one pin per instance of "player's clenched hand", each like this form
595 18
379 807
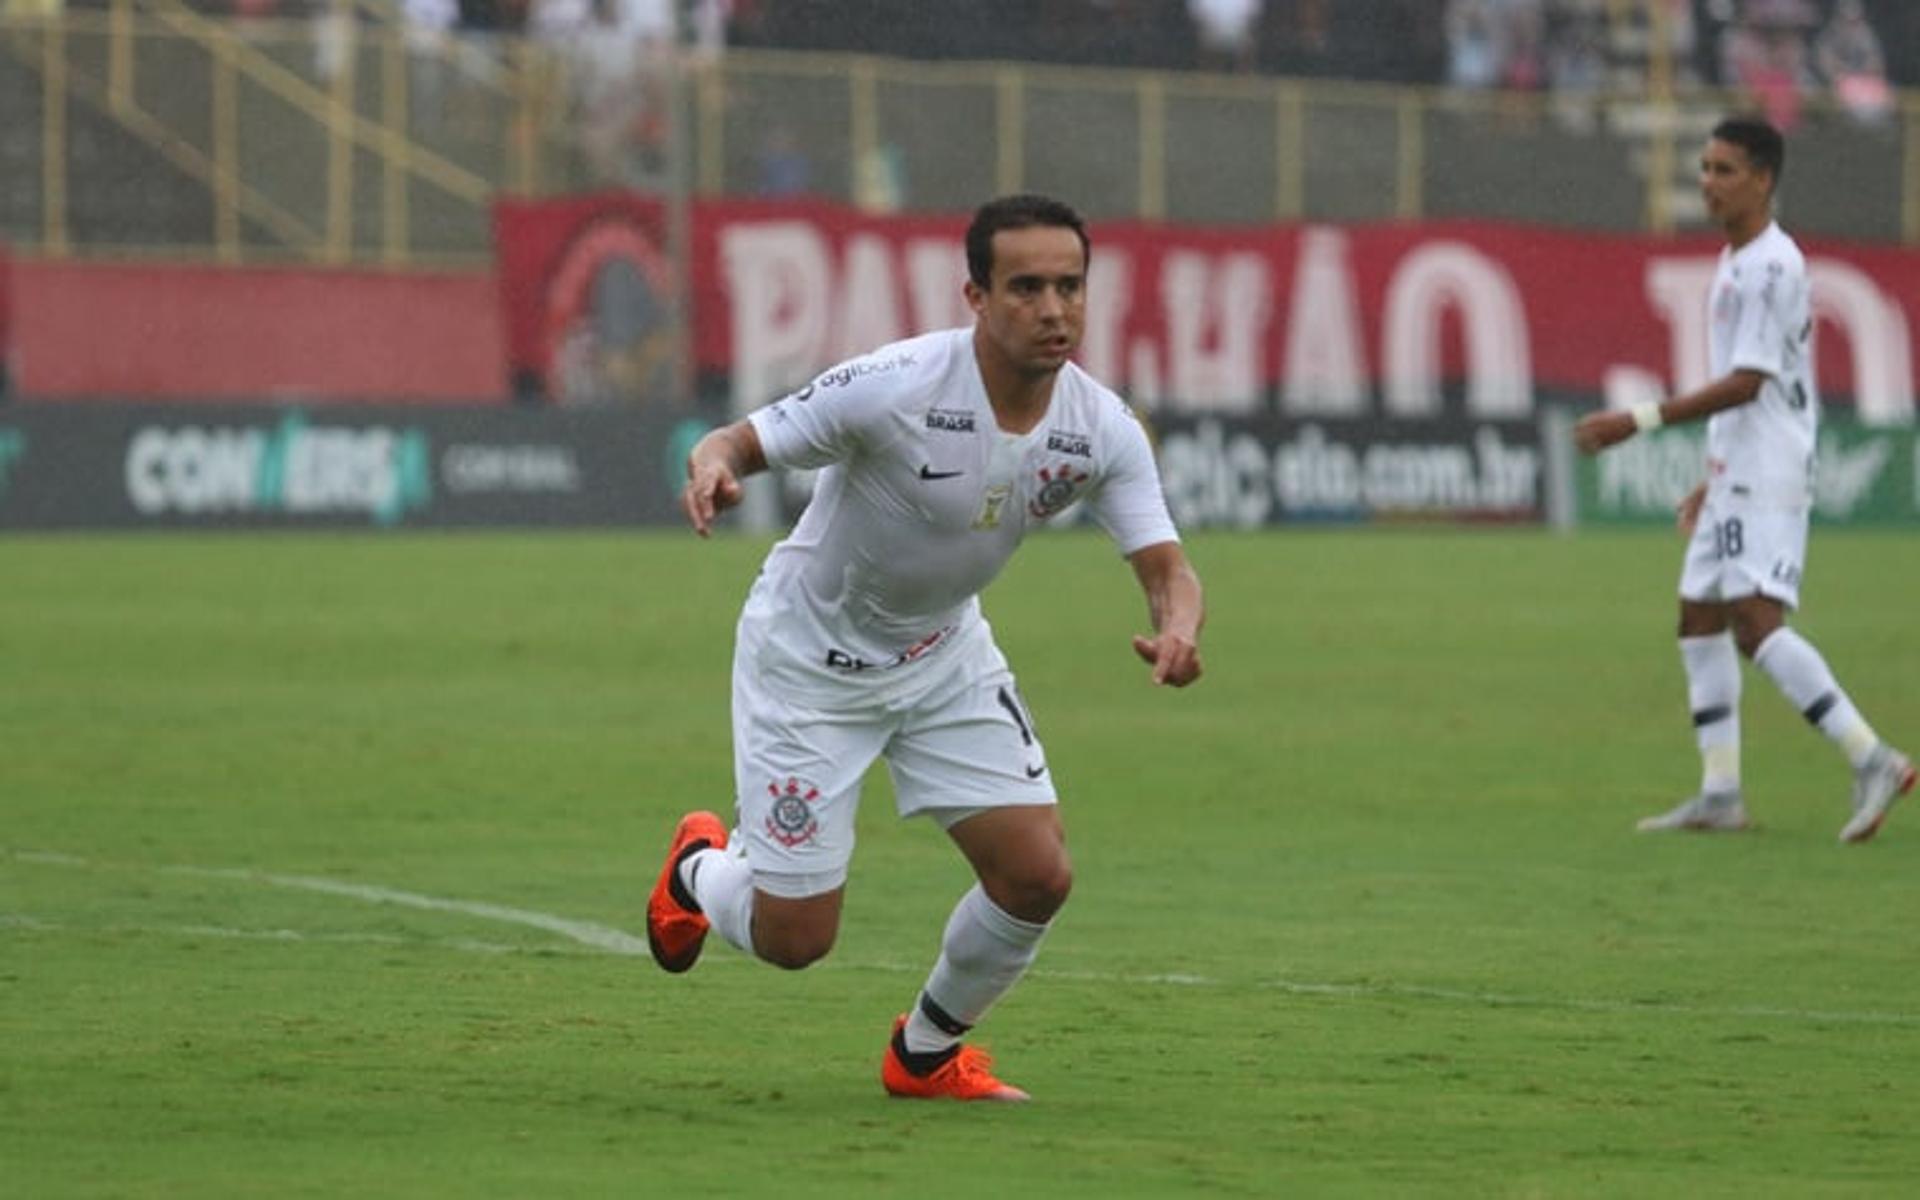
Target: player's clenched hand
711 489
1175 660
1687 513
1596 431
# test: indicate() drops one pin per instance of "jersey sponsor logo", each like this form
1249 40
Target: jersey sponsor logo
792 820
1059 487
843 375
927 472
840 660
1036 772
1077 444
948 420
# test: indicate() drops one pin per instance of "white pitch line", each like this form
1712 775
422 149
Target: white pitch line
226 932
1414 991
608 940
600 937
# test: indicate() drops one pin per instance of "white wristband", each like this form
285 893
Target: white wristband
1646 416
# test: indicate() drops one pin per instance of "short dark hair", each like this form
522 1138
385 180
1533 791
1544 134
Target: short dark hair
1765 148
1017 212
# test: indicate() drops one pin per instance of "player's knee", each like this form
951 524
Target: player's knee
792 934
1750 631
1056 886
792 950
1040 892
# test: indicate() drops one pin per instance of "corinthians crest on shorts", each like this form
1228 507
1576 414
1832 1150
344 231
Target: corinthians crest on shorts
791 820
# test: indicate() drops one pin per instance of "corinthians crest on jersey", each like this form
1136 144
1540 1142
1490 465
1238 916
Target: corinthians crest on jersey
1059 485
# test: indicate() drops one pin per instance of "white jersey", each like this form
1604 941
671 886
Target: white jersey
922 500
1762 321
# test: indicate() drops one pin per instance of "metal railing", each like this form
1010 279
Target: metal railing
256 140
351 139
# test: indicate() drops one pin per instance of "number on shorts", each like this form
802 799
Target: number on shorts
1728 538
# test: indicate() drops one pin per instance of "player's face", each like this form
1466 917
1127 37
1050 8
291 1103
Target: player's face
1036 307
1736 193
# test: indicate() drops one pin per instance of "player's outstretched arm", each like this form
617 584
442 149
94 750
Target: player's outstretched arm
1597 431
1177 609
716 466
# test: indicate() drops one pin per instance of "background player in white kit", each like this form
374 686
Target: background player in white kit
1748 520
862 636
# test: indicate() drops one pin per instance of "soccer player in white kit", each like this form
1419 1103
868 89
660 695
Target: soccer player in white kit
1748 520
863 637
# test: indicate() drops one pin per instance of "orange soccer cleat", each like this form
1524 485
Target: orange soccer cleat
967 1074
675 926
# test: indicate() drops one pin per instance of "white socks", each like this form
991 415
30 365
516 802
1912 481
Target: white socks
983 954
1809 686
1713 695
722 884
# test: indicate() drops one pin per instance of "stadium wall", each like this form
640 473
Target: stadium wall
1322 321
160 331
1291 373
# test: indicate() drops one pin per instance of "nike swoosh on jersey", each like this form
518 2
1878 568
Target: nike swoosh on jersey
1036 772
927 472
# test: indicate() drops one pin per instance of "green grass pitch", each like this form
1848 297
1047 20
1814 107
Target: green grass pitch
316 854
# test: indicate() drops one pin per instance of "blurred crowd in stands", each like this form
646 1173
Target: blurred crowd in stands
1853 48
1779 53
1788 57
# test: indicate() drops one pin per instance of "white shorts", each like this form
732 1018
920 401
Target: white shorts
964 743
1742 549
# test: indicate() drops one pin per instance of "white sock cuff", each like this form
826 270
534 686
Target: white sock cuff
1707 642
1774 642
1802 675
723 887
1713 677
1713 658
998 921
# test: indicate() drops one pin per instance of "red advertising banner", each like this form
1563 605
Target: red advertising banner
554 256
6 323
1324 321
198 332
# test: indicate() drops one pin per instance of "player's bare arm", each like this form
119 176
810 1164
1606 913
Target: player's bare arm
716 466
1177 609
1597 431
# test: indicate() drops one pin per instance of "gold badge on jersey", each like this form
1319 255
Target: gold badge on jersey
990 506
